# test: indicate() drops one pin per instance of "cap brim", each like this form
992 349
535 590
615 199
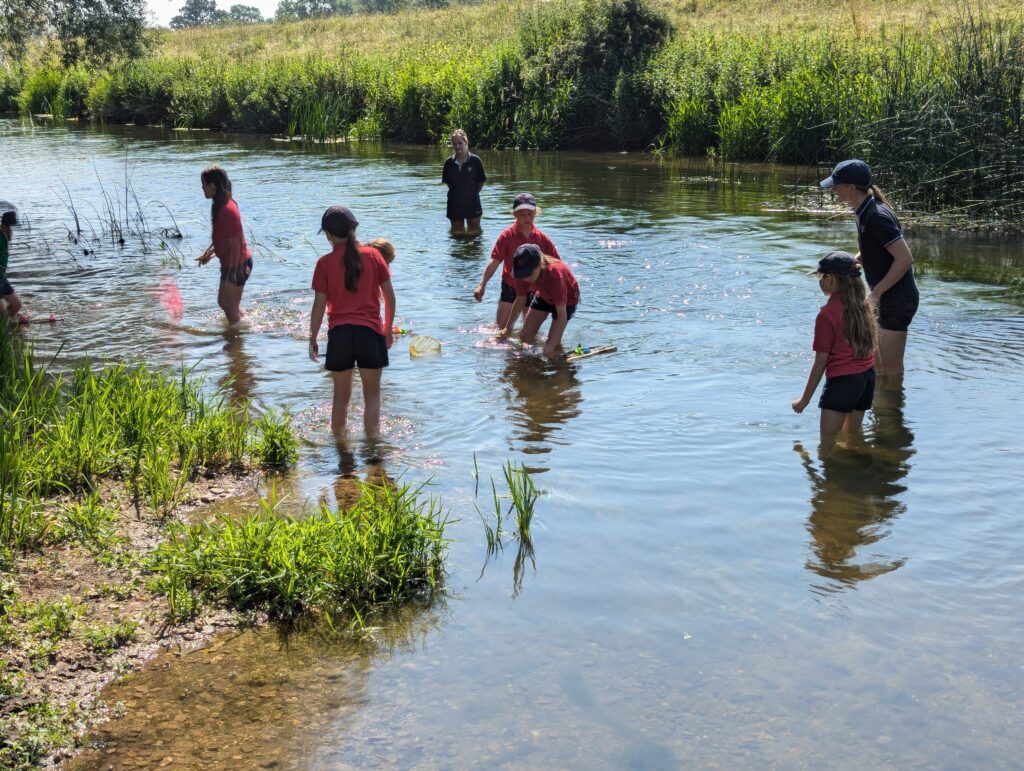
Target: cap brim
827 183
529 206
814 272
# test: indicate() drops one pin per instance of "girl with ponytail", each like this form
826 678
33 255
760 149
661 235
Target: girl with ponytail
888 263
845 336
228 242
349 284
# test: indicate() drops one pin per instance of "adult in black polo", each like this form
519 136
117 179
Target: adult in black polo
464 174
888 263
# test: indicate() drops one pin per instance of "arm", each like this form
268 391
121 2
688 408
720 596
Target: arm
517 308
316 318
555 333
817 370
206 256
492 266
389 311
902 260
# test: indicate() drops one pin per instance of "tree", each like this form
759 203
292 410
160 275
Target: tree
311 9
243 14
20 21
198 13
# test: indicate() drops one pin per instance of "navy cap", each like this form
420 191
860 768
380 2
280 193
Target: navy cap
9 213
838 264
524 201
525 260
338 219
851 172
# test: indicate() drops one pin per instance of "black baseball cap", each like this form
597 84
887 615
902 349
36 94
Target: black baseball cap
838 264
338 219
524 201
851 172
525 260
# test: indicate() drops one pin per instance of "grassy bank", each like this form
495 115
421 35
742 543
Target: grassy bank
927 91
99 471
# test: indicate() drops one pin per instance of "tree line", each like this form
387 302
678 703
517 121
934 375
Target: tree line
205 13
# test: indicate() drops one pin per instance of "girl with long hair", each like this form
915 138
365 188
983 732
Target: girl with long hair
228 242
349 284
10 303
845 336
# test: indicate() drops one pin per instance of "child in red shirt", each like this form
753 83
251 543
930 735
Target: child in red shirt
228 242
349 284
555 291
845 337
524 209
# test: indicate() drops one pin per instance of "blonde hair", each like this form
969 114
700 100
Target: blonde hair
859 323
385 247
461 134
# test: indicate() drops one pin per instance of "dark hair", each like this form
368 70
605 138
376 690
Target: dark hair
216 176
9 218
351 261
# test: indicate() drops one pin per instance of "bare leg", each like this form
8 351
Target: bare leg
342 396
473 225
458 226
229 298
891 347
531 324
13 305
502 318
854 424
831 423
371 401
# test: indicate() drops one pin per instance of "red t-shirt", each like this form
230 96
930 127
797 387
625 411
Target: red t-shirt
556 285
229 237
506 245
362 306
829 338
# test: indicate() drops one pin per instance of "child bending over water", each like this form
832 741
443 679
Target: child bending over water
554 291
845 336
11 303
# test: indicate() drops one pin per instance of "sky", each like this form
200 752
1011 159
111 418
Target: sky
163 10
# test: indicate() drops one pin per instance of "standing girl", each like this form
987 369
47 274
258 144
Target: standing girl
845 336
349 283
11 303
228 242
555 291
888 263
464 174
522 231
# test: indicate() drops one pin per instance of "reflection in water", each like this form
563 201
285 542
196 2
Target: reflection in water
239 381
258 699
544 395
346 484
854 498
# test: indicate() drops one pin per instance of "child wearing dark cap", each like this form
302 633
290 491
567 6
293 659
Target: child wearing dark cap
349 284
9 299
555 291
523 231
888 263
845 336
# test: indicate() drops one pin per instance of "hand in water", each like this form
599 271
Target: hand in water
314 351
478 293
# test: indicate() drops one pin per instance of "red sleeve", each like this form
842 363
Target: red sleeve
320 277
497 252
824 334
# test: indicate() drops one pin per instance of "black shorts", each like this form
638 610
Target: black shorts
6 288
542 305
847 393
237 274
896 312
508 294
464 209
353 345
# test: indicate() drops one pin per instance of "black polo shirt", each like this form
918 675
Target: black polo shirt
463 182
878 228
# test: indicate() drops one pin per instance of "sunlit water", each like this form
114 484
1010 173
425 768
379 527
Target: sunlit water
704 591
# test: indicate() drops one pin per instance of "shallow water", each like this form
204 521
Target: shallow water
704 591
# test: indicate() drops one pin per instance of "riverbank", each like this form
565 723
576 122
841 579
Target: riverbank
928 94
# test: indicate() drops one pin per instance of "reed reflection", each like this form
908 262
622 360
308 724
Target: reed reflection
855 498
544 396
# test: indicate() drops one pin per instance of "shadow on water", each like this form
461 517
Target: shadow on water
238 381
855 498
281 697
543 396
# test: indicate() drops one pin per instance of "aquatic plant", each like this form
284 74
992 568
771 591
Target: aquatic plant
388 547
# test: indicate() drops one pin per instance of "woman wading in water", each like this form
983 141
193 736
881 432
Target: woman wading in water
228 243
888 263
464 174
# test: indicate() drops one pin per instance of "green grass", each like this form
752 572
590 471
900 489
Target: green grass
104 639
387 548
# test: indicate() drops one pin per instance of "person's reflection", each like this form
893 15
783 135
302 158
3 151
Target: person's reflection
347 487
855 498
239 381
544 396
